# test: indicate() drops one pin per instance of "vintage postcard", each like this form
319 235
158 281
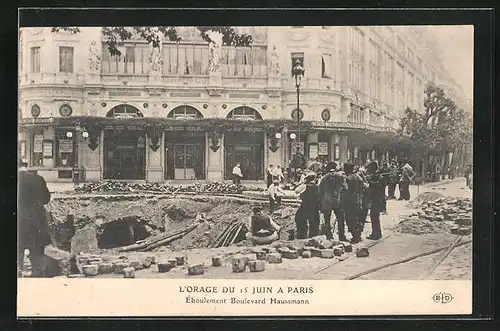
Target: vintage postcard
245 170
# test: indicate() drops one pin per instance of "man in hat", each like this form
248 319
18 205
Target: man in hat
275 195
33 229
269 174
393 179
376 198
407 176
307 216
354 202
262 230
332 188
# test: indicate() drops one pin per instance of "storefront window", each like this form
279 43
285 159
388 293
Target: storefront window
37 149
337 152
65 156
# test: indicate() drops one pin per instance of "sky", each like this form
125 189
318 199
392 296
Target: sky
456 45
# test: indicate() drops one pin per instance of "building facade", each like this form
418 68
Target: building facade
191 110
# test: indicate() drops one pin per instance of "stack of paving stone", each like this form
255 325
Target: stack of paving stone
454 210
93 265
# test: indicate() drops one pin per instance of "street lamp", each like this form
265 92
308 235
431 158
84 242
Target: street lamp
298 72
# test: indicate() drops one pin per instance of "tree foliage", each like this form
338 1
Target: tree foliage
115 35
441 127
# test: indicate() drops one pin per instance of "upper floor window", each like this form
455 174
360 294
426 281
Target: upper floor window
35 59
66 59
243 112
297 56
185 112
326 66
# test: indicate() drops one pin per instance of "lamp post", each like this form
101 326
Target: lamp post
298 72
81 132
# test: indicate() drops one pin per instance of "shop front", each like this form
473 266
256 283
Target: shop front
244 145
124 152
185 154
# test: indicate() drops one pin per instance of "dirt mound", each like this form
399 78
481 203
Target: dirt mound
425 198
418 226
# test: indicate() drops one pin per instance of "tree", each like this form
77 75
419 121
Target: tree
442 127
230 37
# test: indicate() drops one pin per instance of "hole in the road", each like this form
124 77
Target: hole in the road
122 232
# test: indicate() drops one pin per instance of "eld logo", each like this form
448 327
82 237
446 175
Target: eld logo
442 297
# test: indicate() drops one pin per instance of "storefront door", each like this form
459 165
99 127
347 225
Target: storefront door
185 156
125 155
246 148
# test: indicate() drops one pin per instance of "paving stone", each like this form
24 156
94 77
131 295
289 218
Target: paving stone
84 240
347 247
362 252
306 254
129 272
136 264
164 267
274 258
256 266
316 241
216 261
290 254
315 252
454 229
180 260
106 268
173 262
327 253
465 231
148 261
326 244
90 270
261 255
76 276
239 263
338 250
119 266
196 269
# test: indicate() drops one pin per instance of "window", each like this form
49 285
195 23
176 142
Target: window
326 66
388 78
356 115
124 111
66 59
185 112
65 156
356 65
297 56
244 113
35 59
129 59
374 88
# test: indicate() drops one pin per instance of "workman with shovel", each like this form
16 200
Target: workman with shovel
262 230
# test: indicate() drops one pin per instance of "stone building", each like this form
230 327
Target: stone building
191 110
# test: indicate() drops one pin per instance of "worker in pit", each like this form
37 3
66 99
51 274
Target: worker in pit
262 230
275 195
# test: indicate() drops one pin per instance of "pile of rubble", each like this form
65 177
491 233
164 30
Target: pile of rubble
442 214
123 187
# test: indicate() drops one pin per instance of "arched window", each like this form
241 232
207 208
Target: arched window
184 112
124 111
243 113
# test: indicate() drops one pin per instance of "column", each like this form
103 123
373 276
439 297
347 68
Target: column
154 170
345 109
215 162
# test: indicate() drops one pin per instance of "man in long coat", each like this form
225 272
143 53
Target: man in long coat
332 188
33 229
354 203
376 198
307 216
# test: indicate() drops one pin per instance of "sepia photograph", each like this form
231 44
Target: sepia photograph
274 153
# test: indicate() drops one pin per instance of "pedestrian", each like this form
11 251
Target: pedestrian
332 188
278 173
269 175
275 195
385 172
33 228
407 176
307 216
393 180
262 230
237 175
467 173
354 203
376 197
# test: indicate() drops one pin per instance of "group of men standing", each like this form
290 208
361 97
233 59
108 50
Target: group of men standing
349 193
